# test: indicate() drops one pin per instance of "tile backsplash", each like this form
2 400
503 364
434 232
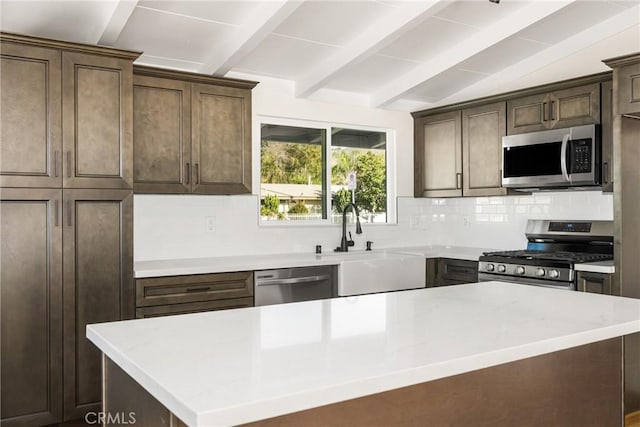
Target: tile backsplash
203 226
499 222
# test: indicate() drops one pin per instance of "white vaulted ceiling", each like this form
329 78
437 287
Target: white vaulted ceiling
396 54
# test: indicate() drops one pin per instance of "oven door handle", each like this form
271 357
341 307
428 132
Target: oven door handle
563 157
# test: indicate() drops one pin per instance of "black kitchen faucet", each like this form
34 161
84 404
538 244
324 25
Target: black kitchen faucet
344 242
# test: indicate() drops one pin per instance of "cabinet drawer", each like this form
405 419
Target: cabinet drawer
195 288
193 307
457 270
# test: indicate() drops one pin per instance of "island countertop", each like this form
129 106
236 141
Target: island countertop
237 366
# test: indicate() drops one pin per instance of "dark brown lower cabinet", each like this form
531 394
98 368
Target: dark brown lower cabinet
597 283
98 285
449 271
66 261
31 306
164 296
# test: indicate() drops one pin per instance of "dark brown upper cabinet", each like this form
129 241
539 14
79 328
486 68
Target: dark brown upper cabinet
438 155
562 108
626 72
66 115
192 133
162 135
482 131
458 153
97 121
31 128
458 148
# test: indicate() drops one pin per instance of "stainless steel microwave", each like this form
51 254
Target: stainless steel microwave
557 158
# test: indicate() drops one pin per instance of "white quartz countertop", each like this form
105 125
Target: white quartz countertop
176 267
236 366
606 267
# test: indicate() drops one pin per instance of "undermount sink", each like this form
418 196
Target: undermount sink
380 271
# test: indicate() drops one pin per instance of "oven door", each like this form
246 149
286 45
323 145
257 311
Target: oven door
553 158
488 277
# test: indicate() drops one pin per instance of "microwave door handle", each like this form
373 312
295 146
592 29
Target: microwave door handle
563 157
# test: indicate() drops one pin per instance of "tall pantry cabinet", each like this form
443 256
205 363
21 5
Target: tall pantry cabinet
66 213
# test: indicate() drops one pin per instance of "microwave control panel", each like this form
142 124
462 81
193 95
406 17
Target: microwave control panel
581 156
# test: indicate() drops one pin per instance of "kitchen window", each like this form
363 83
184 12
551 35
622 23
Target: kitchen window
305 169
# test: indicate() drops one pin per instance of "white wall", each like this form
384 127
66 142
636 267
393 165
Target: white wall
176 226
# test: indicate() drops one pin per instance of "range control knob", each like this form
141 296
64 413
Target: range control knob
540 272
520 270
502 268
554 274
489 267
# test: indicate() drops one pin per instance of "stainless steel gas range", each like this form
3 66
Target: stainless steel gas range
553 249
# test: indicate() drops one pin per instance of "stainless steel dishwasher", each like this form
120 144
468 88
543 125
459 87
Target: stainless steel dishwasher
295 284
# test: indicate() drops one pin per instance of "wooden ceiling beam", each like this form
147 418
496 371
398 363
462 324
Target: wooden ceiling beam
121 14
592 35
377 36
495 33
227 53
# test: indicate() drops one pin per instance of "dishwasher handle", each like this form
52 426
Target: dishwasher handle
292 281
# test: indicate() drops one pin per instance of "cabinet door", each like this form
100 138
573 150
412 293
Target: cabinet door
607 136
30 128
438 155
161 135
482 131
597 283
528 114
629 89
576 106
97 112
98 285
221 146
31 306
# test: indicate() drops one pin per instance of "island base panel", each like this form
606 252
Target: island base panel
128 403
581 386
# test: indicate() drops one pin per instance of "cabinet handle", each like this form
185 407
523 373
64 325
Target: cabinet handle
605 172
500 177
69 213
197 173
55 164
544 111
69 164
199 289
187 173
458 180
56 215
551 111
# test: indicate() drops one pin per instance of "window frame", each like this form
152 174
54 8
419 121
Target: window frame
390 165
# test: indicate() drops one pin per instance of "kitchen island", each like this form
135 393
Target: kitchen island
489 353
